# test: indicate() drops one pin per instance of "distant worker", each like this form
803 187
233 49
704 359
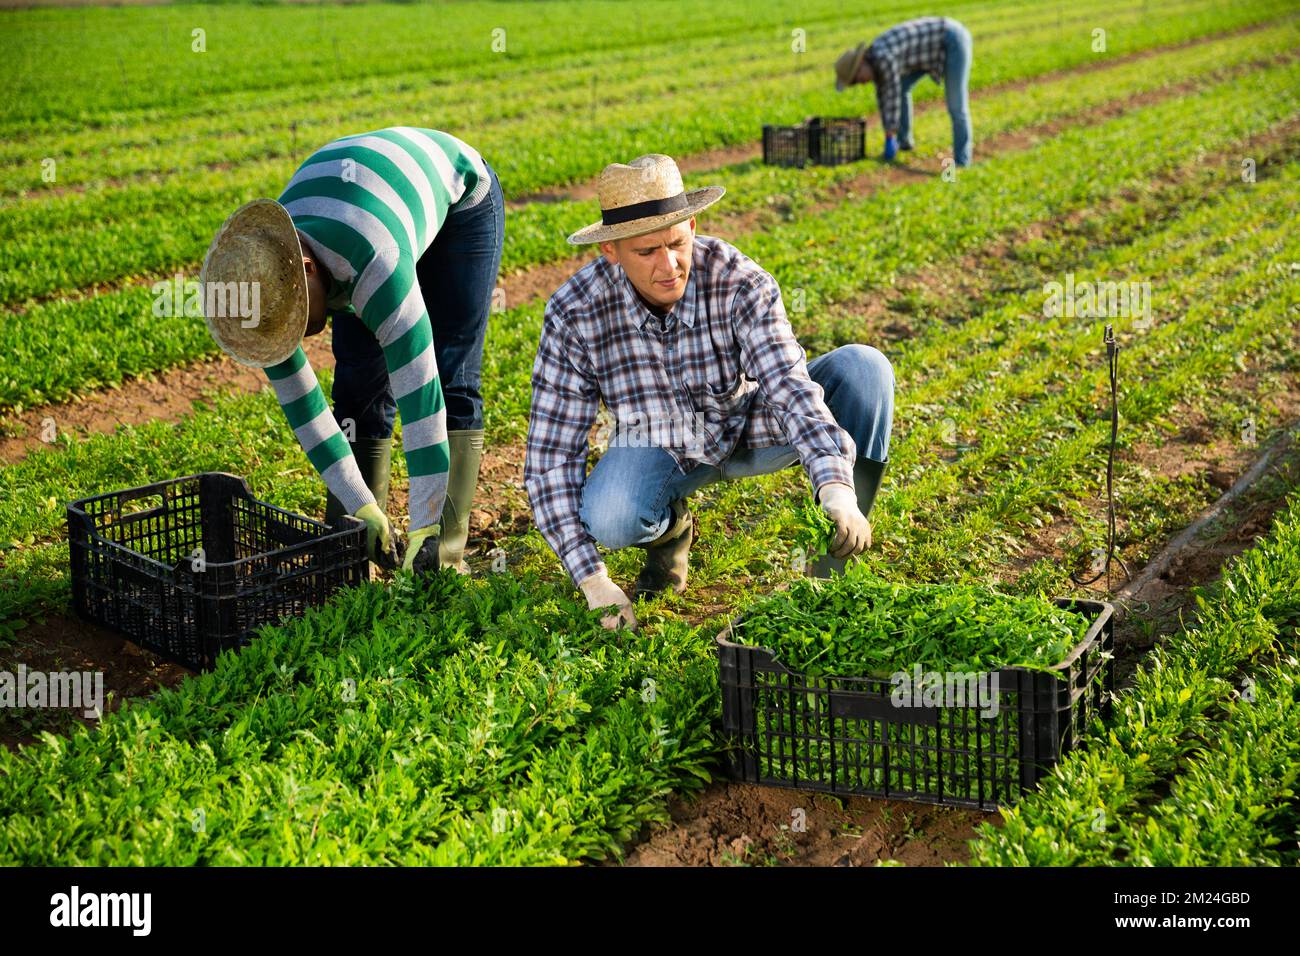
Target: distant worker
895 61
396 236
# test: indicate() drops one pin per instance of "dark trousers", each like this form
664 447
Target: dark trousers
457 276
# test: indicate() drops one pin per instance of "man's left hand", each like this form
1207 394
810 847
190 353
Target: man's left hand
422 550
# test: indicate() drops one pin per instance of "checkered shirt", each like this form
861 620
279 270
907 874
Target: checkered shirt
721 371
900 51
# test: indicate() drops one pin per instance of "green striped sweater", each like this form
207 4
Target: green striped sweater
367 207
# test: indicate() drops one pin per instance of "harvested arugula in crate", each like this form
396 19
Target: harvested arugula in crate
857 624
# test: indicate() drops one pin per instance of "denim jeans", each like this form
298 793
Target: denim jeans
457 276
626 497
956 93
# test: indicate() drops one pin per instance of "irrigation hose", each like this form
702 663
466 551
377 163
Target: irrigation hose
1112 362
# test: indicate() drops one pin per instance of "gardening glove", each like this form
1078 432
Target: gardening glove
381 544
601 592
852 530
891 147
422 560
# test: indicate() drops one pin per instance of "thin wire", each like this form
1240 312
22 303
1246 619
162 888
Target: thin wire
1112 361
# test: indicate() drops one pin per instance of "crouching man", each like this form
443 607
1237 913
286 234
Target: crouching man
686 342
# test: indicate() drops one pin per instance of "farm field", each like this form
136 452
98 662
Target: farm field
489 719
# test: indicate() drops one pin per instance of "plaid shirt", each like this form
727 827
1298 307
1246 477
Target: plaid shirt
900 51
721 370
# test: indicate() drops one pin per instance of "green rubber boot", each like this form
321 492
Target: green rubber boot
374 459
867 475
466 450
667 557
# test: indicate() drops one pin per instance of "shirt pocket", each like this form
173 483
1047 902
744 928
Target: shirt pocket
723 405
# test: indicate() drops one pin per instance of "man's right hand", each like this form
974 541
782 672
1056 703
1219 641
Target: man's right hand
601 592
422 551
852 530
381 543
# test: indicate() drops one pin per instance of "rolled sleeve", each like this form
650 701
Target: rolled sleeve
772 356
564 406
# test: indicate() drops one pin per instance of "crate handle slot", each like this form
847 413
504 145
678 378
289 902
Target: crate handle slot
861 707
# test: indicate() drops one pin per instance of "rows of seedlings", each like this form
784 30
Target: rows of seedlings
68 345
1198 766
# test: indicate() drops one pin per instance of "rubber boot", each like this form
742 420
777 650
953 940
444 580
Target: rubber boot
466 450
667 557
374 460
867 475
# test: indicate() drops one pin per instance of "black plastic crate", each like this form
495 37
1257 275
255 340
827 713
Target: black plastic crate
835 140
136 567
824 140
786 146
845 735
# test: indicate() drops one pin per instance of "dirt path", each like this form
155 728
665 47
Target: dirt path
168 395
732 824
59 644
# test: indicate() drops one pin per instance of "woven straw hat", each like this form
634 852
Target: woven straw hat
258 246
847 66
642 196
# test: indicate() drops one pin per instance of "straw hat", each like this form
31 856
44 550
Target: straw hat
847 66
257 244
642 196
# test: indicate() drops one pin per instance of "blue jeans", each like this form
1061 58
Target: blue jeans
956 93
457 276
626 497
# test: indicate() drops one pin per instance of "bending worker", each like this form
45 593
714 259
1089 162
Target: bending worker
686 341
396 235
895 61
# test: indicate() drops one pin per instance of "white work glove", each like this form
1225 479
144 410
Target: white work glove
852 530
601 592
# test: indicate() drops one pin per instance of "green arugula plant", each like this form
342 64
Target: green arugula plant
816 529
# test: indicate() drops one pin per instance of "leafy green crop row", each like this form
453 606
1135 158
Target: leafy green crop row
485 92
504 101
66 242
444 722
772 194
64 348
1230 749
859 625
1235 804
403 43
